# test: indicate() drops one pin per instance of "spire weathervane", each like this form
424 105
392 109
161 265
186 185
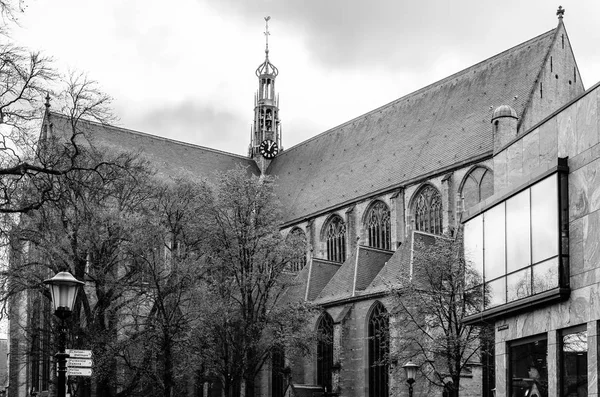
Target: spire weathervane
560 12
267 34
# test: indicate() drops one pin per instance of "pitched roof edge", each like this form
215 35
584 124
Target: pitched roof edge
538 77
157 137
421 90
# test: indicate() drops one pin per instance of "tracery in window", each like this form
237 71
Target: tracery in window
428 210
378 225
325 351
478 185
299 238
379 348
335 236
277 371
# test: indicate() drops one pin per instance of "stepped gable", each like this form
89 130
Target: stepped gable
435 128
170 158
355 275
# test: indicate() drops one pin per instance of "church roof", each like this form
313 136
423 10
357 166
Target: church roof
170 158
428 131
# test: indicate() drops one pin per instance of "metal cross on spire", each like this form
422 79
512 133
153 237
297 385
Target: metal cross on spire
267 34
560 12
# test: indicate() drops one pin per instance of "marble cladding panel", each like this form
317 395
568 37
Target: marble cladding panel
594 301
591 241
586 123
578 194
567 140
592 330
531 151
501 371
515 162
552 362
500 171
548 136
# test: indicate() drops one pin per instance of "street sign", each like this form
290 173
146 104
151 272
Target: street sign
79 371
79 362
79 353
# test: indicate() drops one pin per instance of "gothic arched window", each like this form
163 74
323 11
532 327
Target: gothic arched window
378 225
379 349
299 238
477 185
277 372
428 210
335 235
325 351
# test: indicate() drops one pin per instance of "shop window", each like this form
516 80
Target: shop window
514 245
573 359
378 225
528 368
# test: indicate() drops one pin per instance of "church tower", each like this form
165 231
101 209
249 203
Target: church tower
265 135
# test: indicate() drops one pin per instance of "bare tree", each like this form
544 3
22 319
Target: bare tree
430 309
246 316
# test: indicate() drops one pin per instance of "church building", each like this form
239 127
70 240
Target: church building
507 148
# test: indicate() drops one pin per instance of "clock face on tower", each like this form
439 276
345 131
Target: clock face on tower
268 149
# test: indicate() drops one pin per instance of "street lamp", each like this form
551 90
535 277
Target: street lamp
63 288
411 372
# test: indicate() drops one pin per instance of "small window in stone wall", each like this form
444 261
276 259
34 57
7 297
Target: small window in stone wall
428 210
378 225
335 236
478 185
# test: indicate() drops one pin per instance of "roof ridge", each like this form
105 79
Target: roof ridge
161 138
423 89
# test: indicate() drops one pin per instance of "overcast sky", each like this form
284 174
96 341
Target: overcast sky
184 69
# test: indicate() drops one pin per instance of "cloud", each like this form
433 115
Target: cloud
211 126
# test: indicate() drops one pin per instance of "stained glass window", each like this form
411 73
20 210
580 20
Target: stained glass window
378 225
428 210
336 239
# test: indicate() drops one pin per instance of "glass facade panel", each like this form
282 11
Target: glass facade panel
518 285
545 276
544 219
474 245
574 374
528 369
523 227
518 253
494 254
495 293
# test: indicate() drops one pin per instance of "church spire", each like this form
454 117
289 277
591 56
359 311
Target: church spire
266 129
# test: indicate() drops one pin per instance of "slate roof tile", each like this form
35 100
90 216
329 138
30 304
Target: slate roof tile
321 272
438 126
170 158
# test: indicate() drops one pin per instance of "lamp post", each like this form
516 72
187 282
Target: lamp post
63 288
411 372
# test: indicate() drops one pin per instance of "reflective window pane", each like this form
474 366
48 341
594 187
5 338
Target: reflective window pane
528 369
494 242
517 239
518 285
474 246
544 219
495 293
545 276
574 374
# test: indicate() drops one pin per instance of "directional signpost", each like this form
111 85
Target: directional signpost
79 362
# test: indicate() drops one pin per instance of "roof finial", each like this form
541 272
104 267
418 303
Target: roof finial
47 104
560 12
267 34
